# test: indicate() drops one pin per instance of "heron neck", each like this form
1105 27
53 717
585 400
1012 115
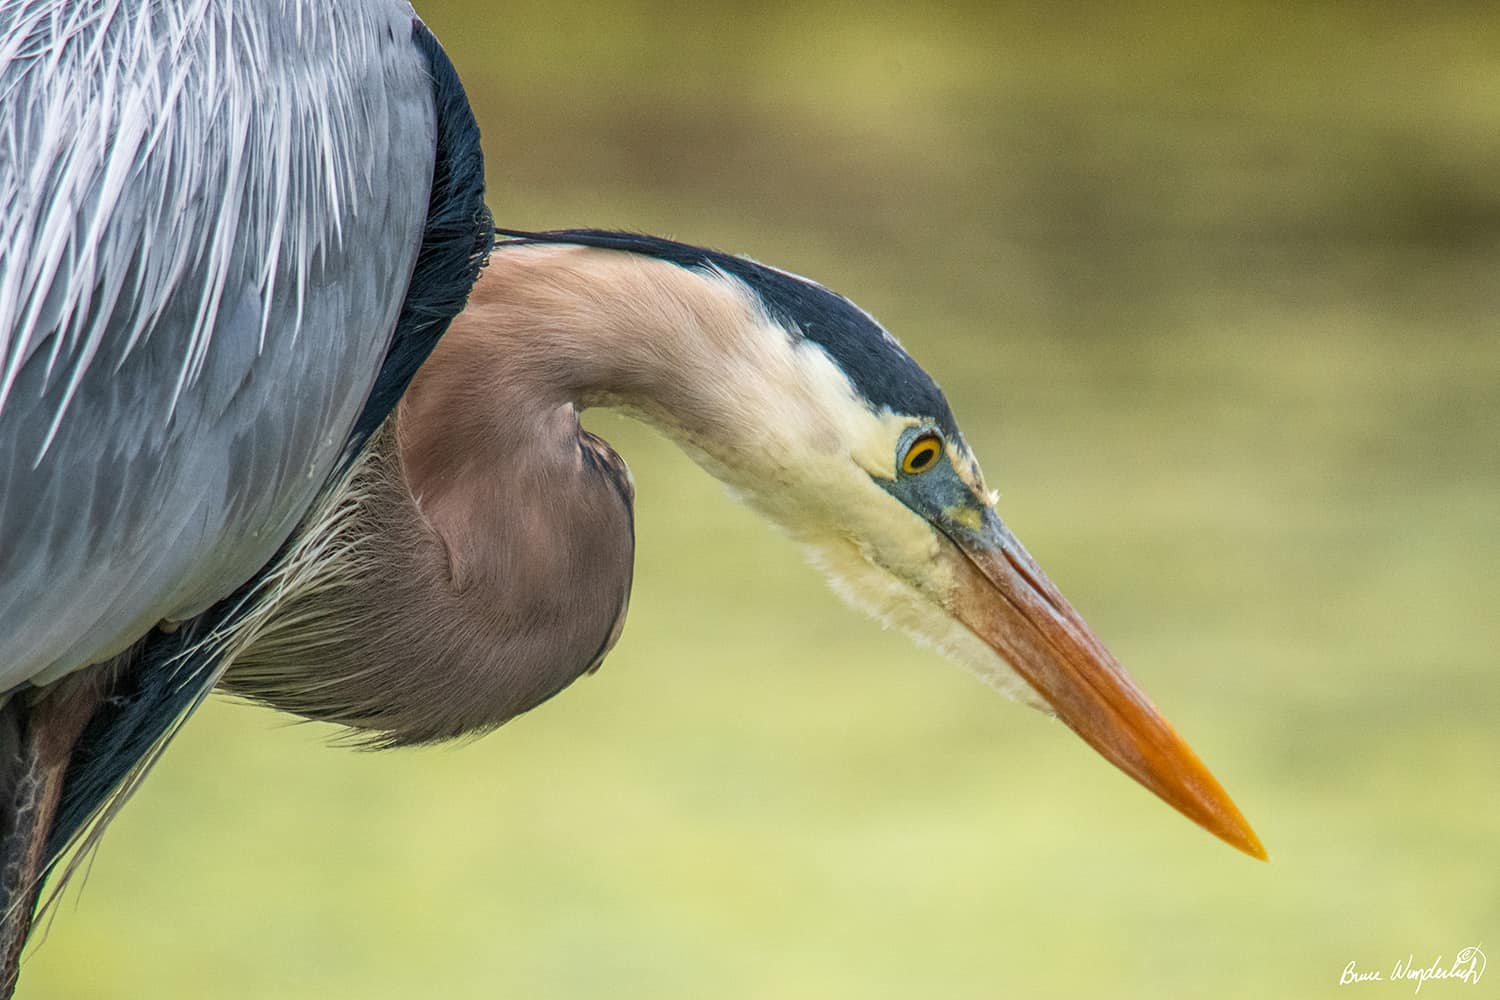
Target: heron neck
686 351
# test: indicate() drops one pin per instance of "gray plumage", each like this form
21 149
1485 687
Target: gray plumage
195 186
214 219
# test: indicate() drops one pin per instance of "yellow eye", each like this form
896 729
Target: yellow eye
923 454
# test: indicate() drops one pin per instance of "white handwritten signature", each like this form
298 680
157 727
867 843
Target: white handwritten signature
1467 967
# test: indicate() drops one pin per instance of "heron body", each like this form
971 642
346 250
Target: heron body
194 338
159 306
423 566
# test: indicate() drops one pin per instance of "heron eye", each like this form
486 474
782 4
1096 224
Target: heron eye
922 455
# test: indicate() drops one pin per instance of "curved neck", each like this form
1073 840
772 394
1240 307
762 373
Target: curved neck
495 536
687 351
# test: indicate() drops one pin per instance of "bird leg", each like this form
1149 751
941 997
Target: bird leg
37 736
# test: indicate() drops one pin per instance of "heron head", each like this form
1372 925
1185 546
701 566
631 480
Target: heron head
879 483
815 415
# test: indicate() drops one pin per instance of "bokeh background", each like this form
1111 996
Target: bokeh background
1214 291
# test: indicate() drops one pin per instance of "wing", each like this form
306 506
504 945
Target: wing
210 212
168 674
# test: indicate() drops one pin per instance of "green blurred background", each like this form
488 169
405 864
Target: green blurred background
1214 293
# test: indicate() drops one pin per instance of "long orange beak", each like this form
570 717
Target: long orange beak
1003 597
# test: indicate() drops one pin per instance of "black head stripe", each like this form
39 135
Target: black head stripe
875 364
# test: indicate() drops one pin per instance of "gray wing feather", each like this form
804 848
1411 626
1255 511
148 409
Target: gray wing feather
209 212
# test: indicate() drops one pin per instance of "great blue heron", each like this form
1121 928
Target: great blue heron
233 234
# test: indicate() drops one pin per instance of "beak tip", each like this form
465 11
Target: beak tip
1243 838
1177 776
1213 809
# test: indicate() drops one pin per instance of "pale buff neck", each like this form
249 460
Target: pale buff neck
552 329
